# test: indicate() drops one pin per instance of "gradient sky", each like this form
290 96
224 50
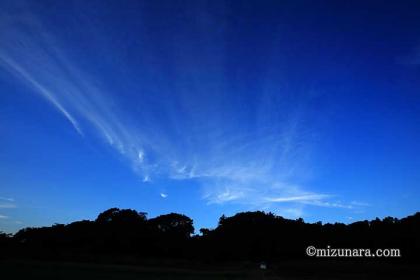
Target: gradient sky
304 108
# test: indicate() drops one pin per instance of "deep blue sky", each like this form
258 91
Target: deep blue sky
304 108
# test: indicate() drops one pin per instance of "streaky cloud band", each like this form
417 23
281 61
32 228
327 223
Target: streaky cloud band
256 165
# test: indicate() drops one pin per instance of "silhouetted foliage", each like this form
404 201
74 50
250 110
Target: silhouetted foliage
171 234
4 238
251 236
121 217
173 225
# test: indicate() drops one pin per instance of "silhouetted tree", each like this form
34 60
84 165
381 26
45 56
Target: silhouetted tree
253 236
175 225
171 233
120 230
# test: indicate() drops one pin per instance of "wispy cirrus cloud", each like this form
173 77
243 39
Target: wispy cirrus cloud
199 134
7 205
36 59
7 202
309 198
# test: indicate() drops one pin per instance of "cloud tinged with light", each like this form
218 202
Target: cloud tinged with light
194 129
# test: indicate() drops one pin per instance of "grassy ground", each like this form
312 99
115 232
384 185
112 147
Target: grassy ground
79 271
297 270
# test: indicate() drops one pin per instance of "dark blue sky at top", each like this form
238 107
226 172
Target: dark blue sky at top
304 108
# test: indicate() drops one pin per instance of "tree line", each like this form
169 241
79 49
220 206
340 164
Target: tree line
250 236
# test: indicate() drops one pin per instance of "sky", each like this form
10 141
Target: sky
303 108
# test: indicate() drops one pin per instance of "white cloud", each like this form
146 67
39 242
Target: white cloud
163 195
256 166
3 217
301 198
7 202
47 94
141 156
36 59
7 205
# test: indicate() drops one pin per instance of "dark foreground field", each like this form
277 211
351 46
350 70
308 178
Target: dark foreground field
24 269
